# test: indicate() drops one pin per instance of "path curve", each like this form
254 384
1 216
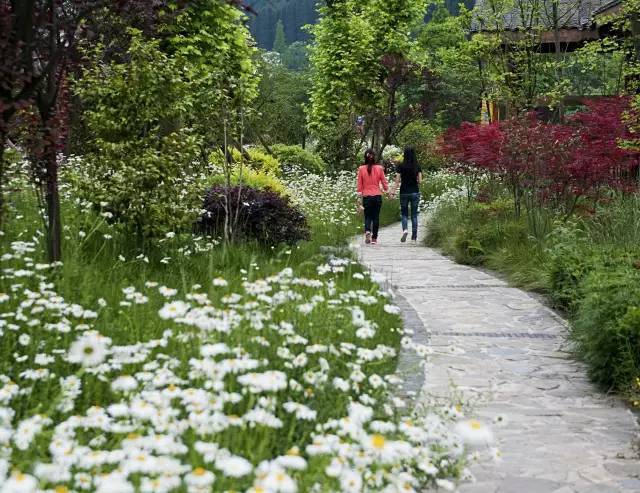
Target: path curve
507 353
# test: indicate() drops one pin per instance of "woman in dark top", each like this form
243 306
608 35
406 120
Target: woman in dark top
409 176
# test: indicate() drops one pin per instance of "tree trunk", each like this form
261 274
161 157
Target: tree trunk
3 143
558 56
47 172
389 123
631 81
52 199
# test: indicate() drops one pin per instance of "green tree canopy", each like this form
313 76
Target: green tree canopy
278 112
362 55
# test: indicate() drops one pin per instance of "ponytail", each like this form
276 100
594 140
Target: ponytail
369 159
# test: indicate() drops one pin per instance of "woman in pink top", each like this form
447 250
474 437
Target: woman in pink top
370 179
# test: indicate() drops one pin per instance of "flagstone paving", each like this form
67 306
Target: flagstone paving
508 355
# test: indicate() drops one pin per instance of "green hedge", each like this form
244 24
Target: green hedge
293 156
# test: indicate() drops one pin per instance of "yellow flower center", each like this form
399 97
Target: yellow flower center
475 424
378 441
199 471
61 489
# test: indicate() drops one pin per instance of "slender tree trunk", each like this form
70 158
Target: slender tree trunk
390 122
3 144
47 163
374 137
558 56
227 180
635 33
263 142
52 199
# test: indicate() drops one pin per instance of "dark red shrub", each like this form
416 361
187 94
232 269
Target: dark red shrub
261 215
600 159
474 145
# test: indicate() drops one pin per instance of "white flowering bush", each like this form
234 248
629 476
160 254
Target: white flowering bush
328 200
392 153
444 187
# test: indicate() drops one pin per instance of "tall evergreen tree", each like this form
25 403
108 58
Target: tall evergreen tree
280 40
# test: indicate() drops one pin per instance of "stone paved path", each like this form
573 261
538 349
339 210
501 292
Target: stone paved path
507 353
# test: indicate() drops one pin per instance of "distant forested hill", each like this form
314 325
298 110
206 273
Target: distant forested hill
295 14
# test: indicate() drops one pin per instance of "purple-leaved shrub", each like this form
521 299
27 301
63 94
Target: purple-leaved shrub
261 215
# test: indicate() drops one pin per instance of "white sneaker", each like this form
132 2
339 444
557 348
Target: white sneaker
403 238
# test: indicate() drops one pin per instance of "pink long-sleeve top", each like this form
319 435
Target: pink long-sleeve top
369 184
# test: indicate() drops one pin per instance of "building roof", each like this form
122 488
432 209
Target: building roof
527 14
608 8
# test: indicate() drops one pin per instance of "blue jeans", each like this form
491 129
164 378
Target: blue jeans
414 200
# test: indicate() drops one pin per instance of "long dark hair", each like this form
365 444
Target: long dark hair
410 160
369 159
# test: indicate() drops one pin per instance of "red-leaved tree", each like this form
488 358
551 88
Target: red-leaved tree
550 164
474 149
600 160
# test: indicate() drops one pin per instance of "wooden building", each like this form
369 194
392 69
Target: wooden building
559 25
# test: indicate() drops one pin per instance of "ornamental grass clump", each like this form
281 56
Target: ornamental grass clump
244 213
606 327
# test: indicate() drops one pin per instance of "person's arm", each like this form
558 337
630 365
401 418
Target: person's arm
383 180
360 188
396 184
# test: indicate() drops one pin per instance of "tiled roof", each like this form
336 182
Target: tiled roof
572 14
607 6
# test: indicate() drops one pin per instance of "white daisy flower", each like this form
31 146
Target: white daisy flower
90 349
